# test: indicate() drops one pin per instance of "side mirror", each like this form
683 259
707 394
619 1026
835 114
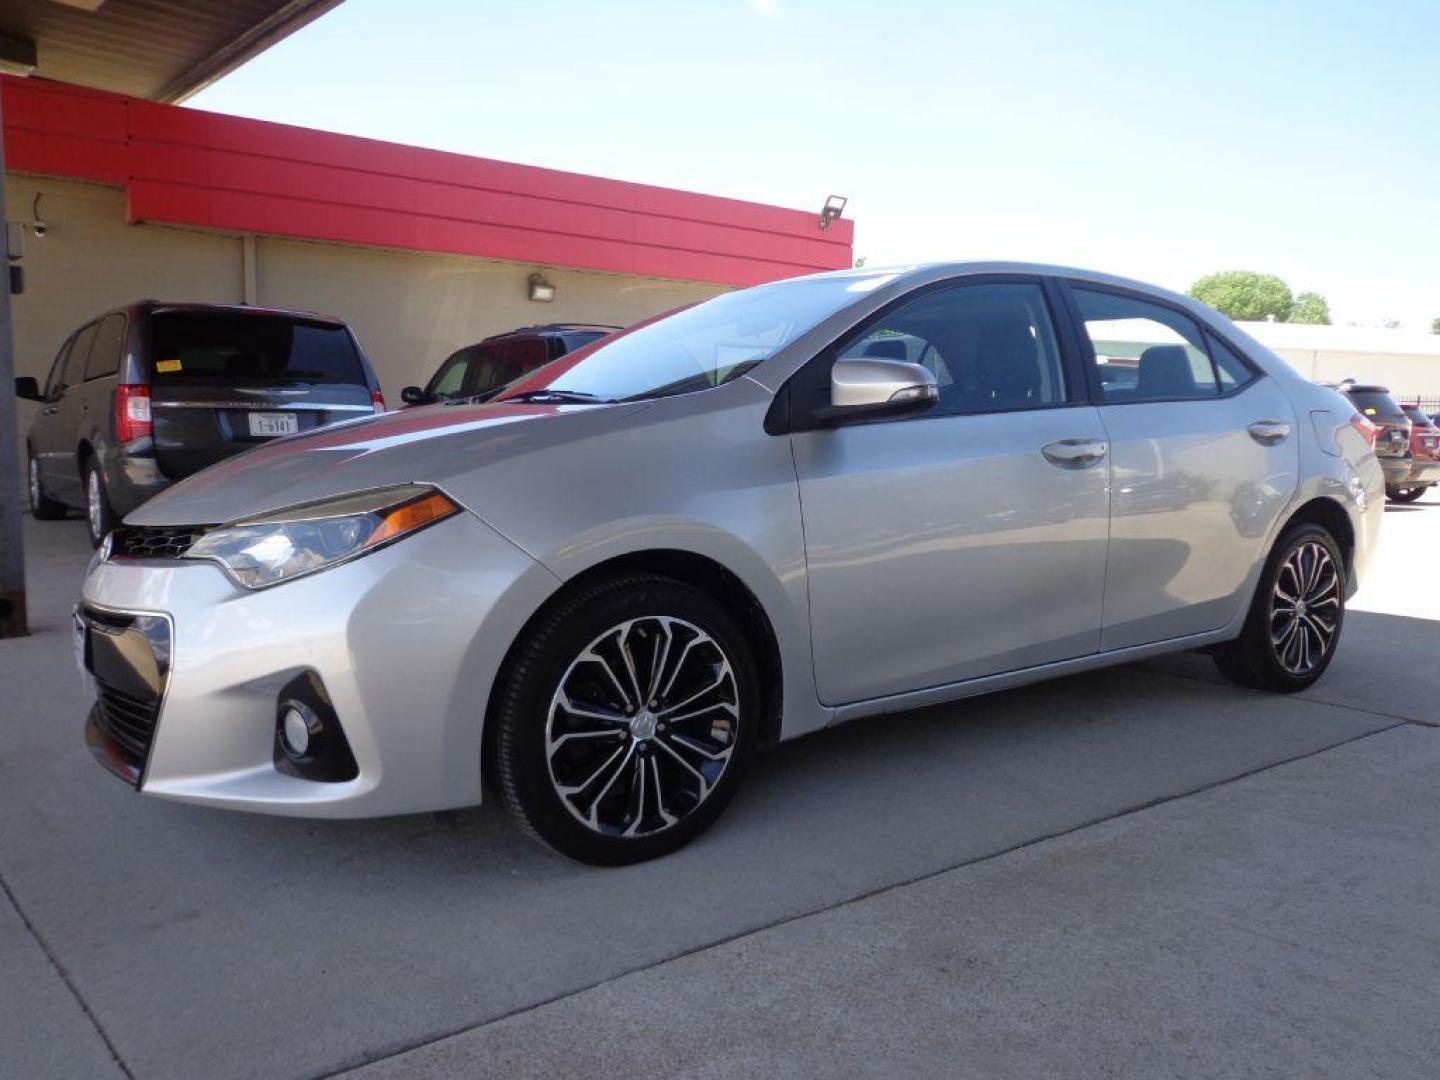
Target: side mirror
28 388
412 395
870 388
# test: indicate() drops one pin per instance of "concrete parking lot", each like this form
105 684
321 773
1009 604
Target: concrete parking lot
1138 872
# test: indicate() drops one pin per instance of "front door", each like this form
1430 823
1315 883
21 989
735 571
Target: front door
968 540
1203 458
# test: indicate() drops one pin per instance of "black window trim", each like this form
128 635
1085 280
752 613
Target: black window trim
1086 348
781 419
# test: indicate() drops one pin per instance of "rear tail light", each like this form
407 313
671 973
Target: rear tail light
132 413
378 400
1368 431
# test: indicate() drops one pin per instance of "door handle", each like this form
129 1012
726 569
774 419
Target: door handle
1269 432
1075 453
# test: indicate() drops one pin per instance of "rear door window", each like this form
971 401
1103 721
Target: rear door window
244 347
75 363
1144 351
105 352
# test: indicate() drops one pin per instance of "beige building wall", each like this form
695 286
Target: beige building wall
410 310
1405 361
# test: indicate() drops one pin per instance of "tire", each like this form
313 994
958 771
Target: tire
1307 563
42 507
562 705
1404 494
100 517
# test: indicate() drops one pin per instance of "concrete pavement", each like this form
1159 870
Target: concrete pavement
204 943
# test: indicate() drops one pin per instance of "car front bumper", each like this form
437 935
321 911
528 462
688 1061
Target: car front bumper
405 642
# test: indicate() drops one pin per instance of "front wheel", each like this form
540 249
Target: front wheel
625 720
1404 494
1295 619
99 515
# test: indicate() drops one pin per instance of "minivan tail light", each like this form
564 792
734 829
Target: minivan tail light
132 413
1368 431
378 400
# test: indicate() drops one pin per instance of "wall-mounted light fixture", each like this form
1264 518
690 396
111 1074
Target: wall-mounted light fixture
40 226
17 55
540 289
831 211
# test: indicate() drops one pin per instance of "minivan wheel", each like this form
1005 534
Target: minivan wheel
625 720
42 506
98 514
1296 617
1404 494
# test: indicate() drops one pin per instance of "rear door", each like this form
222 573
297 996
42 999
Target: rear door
62 417
1203 460
223 381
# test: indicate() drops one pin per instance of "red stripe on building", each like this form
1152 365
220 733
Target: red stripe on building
182 166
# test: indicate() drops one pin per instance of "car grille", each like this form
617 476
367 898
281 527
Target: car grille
154 541
129 720
128 658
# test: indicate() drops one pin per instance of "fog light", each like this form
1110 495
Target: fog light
297 724
309 740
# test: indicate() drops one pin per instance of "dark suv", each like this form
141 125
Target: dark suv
1392 441
481 369
146 395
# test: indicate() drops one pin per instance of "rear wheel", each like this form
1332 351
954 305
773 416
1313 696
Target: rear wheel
625 720
99 515
42 506
1404 494
1295 619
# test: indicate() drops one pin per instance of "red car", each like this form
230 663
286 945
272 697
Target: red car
1424 454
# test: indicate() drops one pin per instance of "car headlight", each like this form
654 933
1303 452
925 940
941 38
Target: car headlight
288 543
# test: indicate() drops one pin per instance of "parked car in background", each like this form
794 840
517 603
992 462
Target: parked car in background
1424 457
482 368
144 396
783 508
1392 440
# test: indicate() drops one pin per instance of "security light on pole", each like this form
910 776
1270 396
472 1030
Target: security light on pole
831 211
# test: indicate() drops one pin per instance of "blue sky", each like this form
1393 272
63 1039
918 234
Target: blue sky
1159 140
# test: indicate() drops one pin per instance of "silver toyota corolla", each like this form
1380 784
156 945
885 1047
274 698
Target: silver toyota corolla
798 504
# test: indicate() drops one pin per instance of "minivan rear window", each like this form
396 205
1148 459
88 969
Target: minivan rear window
1377 405
221 346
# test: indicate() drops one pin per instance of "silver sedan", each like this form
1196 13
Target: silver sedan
816 500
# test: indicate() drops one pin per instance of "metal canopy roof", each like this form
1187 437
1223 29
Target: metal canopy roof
164 50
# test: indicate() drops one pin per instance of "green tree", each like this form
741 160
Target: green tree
1310 307
1244 294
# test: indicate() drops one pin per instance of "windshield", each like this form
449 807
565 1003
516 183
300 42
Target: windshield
244 346
698 347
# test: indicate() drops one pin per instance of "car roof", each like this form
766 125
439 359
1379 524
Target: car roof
554 328
148 306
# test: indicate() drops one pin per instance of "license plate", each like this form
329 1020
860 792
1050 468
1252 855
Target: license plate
274 423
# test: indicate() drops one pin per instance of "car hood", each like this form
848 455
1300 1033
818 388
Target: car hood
425 445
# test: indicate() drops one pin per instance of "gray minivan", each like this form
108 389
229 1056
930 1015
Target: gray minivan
149 394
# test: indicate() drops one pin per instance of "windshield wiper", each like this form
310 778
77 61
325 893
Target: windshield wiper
563 396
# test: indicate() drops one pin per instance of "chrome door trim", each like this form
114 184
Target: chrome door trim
260 406
1005 680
